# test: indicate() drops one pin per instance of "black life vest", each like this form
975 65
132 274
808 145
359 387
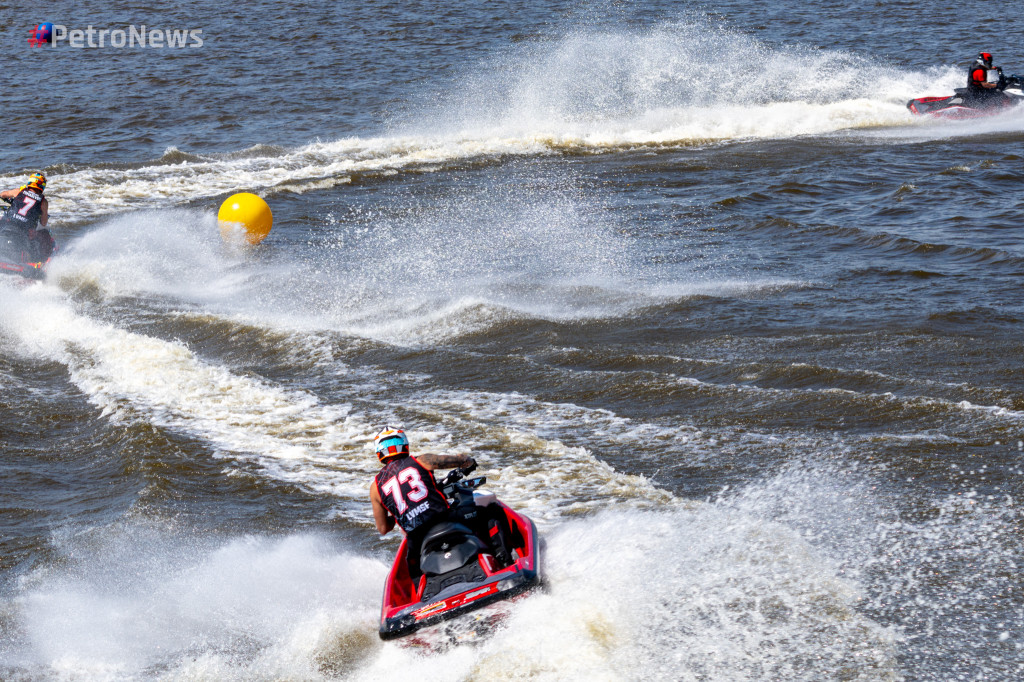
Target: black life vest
409 493
26 208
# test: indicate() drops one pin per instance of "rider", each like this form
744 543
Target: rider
985 83
29 208
405 490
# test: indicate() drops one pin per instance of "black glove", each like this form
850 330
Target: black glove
469 468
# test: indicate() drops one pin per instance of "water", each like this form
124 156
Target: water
688 281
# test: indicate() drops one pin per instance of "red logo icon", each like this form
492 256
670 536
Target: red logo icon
41 35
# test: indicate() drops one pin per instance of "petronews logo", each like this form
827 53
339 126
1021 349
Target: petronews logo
134 36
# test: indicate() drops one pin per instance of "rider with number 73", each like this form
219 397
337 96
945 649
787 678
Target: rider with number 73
405 490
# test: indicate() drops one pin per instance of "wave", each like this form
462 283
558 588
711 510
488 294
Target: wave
814 571
150 602
711 584
887 242
907 552
675 85
797 395
471 261
289 434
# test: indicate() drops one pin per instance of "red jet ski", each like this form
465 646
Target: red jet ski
962 106
483 553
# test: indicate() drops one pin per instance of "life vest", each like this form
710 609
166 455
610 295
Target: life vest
26 208
408 491
977 75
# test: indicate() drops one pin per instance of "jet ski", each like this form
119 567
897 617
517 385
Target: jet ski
961 105
483 553
19 256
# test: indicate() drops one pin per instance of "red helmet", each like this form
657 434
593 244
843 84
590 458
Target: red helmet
985 59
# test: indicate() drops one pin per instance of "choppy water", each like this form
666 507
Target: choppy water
690 283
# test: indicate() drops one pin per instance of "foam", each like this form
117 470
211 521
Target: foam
131 376
813 570
699 592
472 262
289 434
933 569
142 602
588 91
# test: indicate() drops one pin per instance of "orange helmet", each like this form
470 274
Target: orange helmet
38 181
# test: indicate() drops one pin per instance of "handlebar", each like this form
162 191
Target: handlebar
450 485
456 475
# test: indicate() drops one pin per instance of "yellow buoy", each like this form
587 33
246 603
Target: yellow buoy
244 217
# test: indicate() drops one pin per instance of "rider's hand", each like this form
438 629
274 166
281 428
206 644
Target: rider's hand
468 468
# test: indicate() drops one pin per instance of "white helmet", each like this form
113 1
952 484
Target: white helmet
390 443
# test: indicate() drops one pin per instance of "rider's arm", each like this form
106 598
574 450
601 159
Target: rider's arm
8 194
384 521
45 215
431 462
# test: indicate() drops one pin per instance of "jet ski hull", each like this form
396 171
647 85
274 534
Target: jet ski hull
959 107
15 258
409 606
